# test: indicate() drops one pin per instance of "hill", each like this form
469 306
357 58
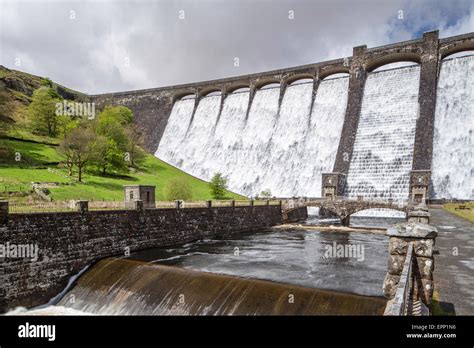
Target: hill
26 157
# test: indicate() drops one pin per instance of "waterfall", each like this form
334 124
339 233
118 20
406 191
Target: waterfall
171 144
284 151
324 131
453 163
383 149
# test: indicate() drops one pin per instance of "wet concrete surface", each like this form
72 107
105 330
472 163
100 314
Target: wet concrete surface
454 265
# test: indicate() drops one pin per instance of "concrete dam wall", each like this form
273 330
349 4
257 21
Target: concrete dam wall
282 132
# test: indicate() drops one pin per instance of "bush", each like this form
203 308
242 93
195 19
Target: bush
178 189
218 185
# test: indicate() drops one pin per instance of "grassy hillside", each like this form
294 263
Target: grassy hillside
35 167
26 157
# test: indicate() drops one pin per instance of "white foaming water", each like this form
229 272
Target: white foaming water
453 162
284 153
198 139
48 310
287 150
172 140
324 131
256 138
383 150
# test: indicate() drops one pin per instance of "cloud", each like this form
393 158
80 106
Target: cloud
108 46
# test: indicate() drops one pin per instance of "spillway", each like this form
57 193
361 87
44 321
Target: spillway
282 149
286 148
383 150
128 287
453 162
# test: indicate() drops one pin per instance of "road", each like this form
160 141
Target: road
454 265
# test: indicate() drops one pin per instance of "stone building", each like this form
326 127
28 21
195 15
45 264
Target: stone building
145 193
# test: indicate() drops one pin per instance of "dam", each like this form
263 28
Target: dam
279 131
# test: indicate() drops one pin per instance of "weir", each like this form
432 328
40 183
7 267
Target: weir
127 287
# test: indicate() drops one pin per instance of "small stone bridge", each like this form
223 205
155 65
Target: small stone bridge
343 207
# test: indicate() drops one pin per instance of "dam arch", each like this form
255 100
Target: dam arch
295 79
395 65
334 71
268 85
238 88
465 47
371 65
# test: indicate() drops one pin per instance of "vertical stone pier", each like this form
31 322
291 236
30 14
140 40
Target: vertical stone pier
357 79
423 148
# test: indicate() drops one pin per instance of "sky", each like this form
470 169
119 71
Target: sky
101 46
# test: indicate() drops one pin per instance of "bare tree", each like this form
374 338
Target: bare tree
77 148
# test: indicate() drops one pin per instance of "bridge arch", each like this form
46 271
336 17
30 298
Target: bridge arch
392 58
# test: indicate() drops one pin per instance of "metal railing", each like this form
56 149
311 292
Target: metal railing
407 295
405 285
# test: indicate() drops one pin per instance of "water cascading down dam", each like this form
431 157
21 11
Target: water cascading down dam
383 130
284 152
383 150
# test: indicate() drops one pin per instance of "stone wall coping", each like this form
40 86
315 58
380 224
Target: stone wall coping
419 213
413 230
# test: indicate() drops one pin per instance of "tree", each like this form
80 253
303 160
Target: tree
266 193
76 147
116 114
65 124
218 185
135 141
106 155
42 111
178 189
113 147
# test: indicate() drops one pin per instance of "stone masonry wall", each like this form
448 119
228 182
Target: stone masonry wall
295 214
68 241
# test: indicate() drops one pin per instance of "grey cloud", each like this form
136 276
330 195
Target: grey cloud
90 53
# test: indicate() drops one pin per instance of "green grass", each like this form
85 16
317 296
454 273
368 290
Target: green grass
154 172
25 134
15 177
465 214
30 154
